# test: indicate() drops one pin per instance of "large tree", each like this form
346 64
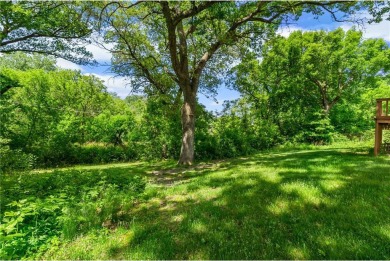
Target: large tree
322 67
185 47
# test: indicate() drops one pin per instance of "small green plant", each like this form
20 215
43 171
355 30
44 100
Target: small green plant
104 205
29 225
38 209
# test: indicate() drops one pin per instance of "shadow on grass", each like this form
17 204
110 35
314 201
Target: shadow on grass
324 204
318 204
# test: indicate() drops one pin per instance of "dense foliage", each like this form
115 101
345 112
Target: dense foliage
57 117
56 28
38 209
314 84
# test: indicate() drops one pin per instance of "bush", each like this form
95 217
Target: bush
338 137
29 225
318 131
14 160
93 153
90 153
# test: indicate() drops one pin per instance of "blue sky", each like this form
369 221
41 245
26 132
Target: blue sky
306 22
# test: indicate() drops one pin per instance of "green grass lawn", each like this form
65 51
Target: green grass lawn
322 203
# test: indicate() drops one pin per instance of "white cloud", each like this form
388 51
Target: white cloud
285 31
100 54
374 30
65 64
119 85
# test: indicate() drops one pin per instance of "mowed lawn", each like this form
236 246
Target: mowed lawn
323 203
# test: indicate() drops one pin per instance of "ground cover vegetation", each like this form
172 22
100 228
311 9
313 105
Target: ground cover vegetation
300 91
328 202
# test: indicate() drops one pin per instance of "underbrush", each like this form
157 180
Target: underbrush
40 210
230 145
90 153
14 160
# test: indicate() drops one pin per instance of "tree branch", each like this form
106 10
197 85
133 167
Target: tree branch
183 49
172 44
195 10
138 62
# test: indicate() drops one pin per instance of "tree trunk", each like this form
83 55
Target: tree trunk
188 129
327 109
326 106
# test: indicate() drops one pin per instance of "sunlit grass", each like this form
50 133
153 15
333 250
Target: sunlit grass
318 203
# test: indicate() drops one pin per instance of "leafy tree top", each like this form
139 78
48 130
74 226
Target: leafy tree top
59 28
321 66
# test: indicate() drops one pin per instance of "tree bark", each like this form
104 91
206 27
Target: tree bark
188 129
326 106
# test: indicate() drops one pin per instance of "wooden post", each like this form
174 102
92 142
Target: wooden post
378 138
378 108
382 121
378 131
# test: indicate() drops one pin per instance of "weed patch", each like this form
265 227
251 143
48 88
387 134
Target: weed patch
40 209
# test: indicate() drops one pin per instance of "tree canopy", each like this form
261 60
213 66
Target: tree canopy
56 28
323 66
298 80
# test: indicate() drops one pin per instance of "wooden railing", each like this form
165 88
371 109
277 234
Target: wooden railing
382 108
382 122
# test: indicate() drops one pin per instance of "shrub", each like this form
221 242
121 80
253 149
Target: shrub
318 131
93 153
90 153
12 160
29 225
338 137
